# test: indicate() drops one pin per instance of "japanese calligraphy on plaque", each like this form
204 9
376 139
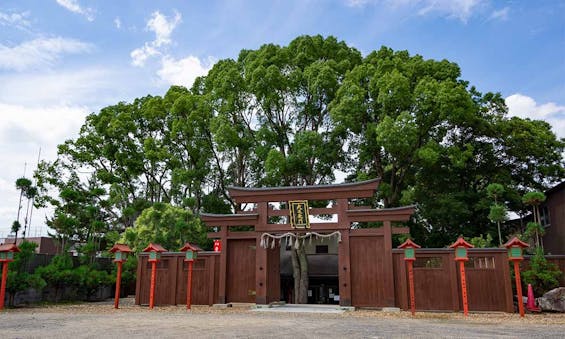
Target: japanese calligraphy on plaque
299 214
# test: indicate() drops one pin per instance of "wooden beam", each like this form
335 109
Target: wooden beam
311 211
363 189
387 214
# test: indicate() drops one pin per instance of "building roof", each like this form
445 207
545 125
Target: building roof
556 188
361 189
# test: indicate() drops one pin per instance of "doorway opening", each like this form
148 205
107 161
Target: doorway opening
323 281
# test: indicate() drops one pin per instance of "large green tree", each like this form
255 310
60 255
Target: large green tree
294 115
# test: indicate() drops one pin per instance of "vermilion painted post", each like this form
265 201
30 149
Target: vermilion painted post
518 287
461 247
152 289
411 283
3 288
463 287
515 253
118 282
189 286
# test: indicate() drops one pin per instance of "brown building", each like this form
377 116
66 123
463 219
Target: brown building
45 245
553 219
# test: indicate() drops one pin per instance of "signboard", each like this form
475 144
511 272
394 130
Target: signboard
299 214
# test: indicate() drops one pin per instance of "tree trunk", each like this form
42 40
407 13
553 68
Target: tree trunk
300 274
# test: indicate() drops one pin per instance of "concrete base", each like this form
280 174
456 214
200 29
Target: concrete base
221 305
391 309
243 305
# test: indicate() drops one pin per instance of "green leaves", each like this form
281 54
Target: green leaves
294 115
166 225
533 198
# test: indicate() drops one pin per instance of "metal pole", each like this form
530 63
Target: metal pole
3 288
411 283
518 287
152 289
189 285
118 283
463 287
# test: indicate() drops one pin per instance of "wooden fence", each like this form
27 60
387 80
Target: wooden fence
436 277
171 279
437 283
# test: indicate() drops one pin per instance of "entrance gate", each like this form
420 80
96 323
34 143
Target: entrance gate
365 262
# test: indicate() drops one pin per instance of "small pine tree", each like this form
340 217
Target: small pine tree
542 274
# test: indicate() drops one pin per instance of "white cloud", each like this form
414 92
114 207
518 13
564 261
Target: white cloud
39 125
18 20
23 131
163 27
39 52
73 6
94 87
459 9
357 3
524 106
184 71
118 22
140 55
501 14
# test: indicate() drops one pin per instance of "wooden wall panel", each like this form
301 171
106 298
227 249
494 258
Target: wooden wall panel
273 275
433 286
439 288
367 266
486 286
202 284
165 284
240 284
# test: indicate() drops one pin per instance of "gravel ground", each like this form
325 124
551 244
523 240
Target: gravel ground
101 320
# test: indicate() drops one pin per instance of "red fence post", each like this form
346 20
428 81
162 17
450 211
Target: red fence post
409 257
152 288
118 282
189 286
411 282
3 288
515 249
463 287
461 247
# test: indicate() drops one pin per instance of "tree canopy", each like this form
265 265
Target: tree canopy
296 115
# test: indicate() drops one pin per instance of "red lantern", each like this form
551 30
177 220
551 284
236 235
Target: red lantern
217 245
155 251
6 256
409 257
121 253
190 256
515 248
461 247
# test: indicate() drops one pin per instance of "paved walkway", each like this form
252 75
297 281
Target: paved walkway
295 308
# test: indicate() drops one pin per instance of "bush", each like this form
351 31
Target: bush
90 279
542 274
19 279
59 274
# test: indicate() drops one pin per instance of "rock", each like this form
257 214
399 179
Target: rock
553 300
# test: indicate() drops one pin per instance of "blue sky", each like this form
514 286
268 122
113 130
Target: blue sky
62 59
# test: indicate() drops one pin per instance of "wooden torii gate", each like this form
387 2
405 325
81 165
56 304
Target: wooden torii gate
267 280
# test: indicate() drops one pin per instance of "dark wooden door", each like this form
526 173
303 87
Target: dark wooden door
367 271
240 284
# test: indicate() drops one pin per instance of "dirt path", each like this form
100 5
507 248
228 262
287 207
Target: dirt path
100 320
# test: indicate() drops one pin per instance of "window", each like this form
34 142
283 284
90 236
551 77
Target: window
429 262
480 262
320 249
544 216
